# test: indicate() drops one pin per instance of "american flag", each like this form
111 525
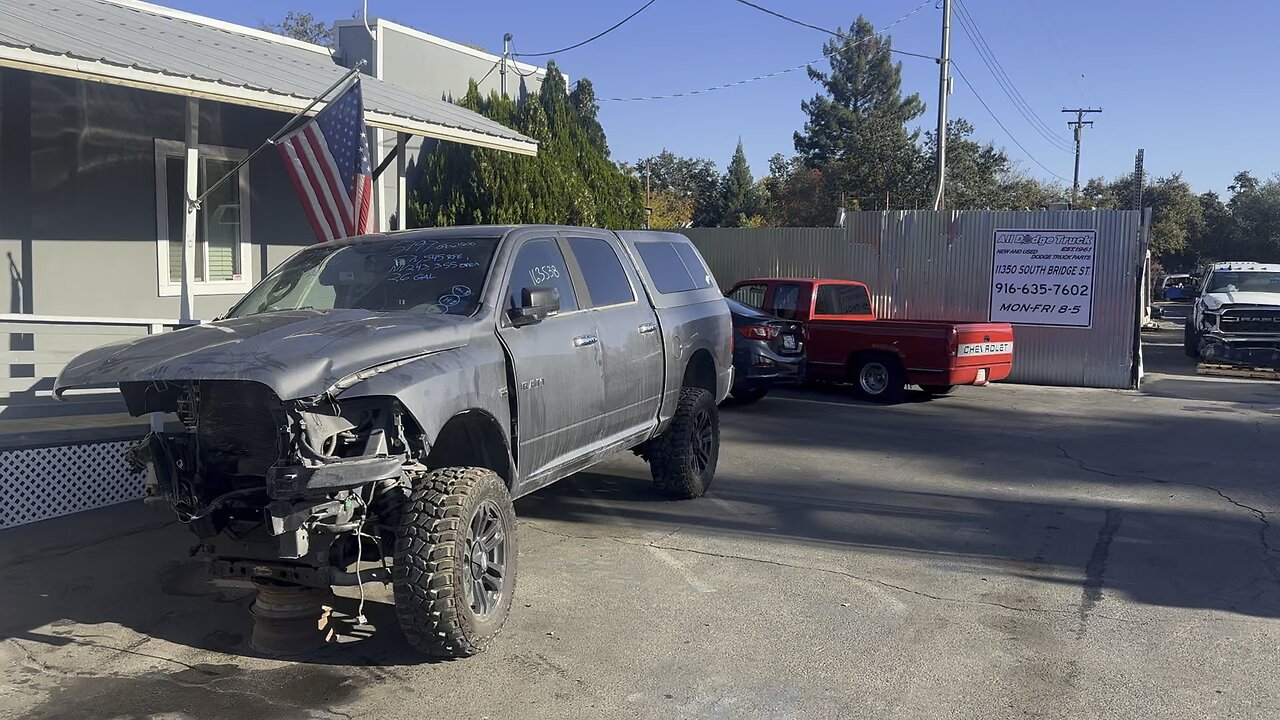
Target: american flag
328 159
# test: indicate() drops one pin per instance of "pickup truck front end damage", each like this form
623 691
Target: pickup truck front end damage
279 490
1246 335
370 409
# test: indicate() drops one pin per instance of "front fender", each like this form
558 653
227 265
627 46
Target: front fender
436 387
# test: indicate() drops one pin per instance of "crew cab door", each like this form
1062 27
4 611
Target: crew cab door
559 391
630 340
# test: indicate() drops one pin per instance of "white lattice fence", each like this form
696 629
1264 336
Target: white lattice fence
41 483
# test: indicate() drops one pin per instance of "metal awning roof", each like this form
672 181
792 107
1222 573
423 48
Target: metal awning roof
141 45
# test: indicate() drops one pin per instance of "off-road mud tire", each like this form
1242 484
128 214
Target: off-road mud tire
679 470
429 577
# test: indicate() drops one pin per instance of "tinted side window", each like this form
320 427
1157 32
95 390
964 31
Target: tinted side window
606 280
786 299
665 267
693 263
541 264
842 300
752 295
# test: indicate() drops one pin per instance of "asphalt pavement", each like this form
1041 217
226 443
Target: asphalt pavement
1005 552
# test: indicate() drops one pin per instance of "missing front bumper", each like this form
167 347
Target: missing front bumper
1245 352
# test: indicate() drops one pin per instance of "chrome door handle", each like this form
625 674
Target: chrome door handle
585 340
647 328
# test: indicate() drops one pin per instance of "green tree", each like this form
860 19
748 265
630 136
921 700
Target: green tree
696 179
738 191
583 99
301 26
571 180
856 129
1254 232
797 195
1177 216
669 209
974 171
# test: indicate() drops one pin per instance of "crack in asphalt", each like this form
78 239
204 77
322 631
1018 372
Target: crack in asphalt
1270 561
1096 568
541 529
44 554
209 685
874 581
841 573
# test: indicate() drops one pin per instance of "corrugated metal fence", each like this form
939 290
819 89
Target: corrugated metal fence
926 265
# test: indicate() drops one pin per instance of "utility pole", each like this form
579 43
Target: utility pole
944 88
648 206
1077 125
1139 178
506 53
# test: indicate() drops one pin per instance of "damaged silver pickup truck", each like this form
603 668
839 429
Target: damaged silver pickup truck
1236 316
383 398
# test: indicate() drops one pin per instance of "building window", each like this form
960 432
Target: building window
222 264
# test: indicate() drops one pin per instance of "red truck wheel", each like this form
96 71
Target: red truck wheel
879 378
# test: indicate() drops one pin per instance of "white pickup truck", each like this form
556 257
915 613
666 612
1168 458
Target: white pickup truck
1236 316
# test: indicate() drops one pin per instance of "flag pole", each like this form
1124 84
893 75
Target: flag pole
195 203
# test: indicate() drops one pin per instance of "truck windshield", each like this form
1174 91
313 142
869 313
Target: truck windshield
1225 281
382 275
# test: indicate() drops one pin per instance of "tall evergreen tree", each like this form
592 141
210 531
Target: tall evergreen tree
571 180
856 132
739 191
583 99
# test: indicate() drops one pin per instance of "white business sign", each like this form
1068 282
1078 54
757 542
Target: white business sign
1043 277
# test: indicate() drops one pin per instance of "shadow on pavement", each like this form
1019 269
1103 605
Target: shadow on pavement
825 470
1018 496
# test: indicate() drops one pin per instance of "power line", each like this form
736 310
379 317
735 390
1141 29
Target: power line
486 75
515 66
974 33
1053 39
766 76
713 88
988 56
597 36
1002 127
842 36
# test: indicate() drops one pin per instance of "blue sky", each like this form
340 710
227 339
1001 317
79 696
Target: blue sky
1185 80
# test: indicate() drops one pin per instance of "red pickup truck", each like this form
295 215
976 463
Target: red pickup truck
846 343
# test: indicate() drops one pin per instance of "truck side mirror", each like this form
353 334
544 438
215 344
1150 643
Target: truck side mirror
536 303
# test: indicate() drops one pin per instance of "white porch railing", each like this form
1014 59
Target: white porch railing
41 345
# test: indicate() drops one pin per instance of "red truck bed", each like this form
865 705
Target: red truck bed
846 343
